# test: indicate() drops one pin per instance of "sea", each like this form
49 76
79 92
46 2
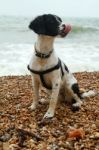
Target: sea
79 50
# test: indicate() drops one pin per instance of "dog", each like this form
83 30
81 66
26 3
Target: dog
48 70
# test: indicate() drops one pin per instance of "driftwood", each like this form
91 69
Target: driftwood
22 135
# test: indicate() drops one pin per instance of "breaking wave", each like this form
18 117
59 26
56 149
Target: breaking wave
76 29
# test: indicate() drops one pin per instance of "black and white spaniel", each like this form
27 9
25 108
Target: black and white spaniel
46 67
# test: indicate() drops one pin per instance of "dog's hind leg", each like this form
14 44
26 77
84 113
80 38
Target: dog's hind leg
77 99
73 94
73 91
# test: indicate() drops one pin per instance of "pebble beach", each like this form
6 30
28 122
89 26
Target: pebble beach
21 129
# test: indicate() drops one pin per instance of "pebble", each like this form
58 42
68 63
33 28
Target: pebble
95 136
69 145
13 147
43 101
31 143
1 133
12 117
97 147
93 126
5 137
5 146
18 107
1 113
1 145
97 123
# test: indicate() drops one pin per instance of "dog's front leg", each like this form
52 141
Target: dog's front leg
53 100
35 93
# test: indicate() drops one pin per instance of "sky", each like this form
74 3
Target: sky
64 8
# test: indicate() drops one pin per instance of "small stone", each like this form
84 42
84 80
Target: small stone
95 135
31 143
82 147
93 126
1 113
5 137
82 90
97 123
42 146
76 133
1 133
61 148
43 101
1 145
5 146
97 146
18 106
12 117
69 145
13 147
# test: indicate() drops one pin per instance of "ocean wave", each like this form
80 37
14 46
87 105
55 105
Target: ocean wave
77 29
20 24
14 58
13 29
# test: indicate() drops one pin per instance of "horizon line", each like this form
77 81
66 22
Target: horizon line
13 15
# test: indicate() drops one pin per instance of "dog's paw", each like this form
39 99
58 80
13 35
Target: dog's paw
76 106
48 115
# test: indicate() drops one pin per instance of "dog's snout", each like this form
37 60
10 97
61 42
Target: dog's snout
64 30
63 26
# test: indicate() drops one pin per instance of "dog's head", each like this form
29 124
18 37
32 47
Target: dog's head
50 25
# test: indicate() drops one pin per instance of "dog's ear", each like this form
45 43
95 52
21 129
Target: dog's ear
38 25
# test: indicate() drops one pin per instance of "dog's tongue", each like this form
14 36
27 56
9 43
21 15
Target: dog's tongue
67 28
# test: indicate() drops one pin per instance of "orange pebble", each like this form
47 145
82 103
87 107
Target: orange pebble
76 133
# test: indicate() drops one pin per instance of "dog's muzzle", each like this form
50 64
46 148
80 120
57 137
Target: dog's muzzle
64 30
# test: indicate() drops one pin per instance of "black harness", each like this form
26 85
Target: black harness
42 73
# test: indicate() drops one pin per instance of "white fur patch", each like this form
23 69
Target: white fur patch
89 93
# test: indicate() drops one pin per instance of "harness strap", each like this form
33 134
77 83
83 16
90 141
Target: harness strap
62 70
44 83
66 68
45 71
41 73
